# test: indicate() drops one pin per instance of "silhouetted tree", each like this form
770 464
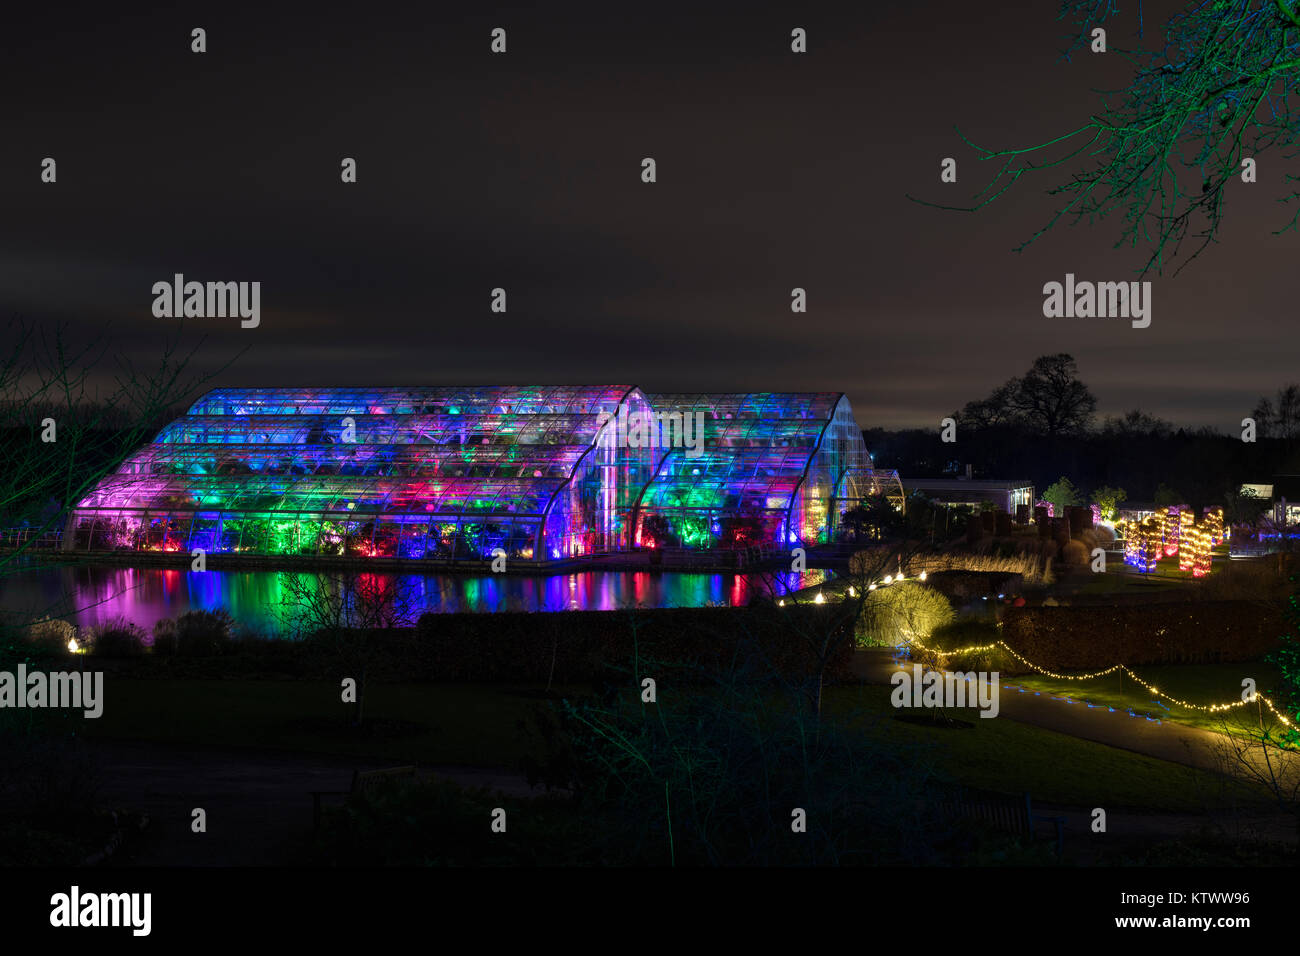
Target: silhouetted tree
1161 154
1168 496
1135 424
1047 400
1279 417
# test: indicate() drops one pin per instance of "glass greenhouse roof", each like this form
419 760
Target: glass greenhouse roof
533 457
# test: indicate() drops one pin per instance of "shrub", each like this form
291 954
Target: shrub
49 637
203 633
902 610
164 636
118 638
1098 536
1075 553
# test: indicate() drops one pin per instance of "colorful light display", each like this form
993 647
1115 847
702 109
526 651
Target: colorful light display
1186 526
1132 542
458 473
1201 544
1146 543
1150 544
1213 518
1168 518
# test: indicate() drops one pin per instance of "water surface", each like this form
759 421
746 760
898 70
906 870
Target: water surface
93 595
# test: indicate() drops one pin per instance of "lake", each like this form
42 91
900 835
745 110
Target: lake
95 594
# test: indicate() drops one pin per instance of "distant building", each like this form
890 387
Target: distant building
1135 511
1284 495
972 492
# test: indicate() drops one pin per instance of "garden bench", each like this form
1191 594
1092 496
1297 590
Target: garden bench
363 783
1001 812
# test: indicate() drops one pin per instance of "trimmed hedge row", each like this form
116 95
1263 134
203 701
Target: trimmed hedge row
1082 638
559 647
576 646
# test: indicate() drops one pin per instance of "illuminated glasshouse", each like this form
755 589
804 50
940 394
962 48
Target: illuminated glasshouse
464 473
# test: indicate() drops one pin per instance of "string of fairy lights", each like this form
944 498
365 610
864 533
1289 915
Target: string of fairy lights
1180 526
1204 708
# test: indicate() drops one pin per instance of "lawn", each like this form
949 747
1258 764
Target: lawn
1012 757
1193 683
477 725
450 724
1119 578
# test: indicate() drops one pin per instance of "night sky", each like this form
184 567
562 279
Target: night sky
523 171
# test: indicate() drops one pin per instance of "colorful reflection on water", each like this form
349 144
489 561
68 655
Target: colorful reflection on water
90 595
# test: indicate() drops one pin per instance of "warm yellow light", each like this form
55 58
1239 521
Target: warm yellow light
888 578
1209 708
922 575
72 645
820 598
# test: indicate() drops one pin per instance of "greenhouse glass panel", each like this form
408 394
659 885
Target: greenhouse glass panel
540 473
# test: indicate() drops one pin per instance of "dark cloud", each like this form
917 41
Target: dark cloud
522 171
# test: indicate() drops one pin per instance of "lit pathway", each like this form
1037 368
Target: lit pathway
1115 728
1163 740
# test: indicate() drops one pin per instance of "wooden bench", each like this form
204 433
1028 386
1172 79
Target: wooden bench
1010 814
364 783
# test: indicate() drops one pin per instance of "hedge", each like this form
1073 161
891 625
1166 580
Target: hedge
1083 638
